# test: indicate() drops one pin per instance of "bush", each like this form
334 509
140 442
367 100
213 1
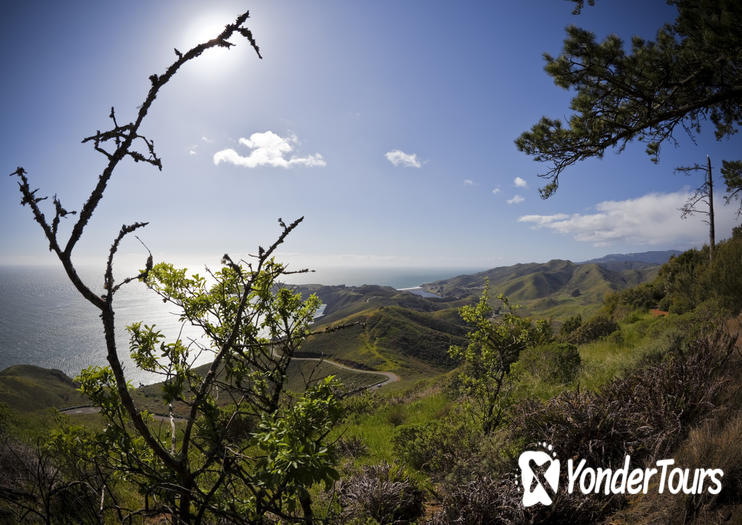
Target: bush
433 447
686 281
361 403
553 363
382 492
395 415
595 328
725 276
570 325
352 447
483 501
714 444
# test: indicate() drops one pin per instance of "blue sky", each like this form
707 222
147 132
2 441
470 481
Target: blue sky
388 125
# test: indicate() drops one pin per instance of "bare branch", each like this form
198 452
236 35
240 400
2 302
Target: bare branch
125 135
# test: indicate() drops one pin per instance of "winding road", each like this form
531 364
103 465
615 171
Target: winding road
391 377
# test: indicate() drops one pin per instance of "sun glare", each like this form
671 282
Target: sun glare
203 28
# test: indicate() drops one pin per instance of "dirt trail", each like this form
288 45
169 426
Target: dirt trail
94 410
391 377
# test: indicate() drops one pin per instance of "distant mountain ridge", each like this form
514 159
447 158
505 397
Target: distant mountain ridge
651 257
398 330
558 287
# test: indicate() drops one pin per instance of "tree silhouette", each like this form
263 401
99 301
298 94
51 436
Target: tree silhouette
237 457
701 201
690 74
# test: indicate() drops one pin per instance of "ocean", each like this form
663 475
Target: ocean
45 322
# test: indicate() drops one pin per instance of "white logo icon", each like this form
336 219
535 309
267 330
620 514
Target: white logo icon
539 471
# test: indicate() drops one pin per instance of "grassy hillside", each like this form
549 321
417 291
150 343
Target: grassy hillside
343 301
386 329
554 289
396 330
393 338
27 388
299 374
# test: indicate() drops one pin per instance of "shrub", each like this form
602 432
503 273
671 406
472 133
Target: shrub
382 492
570 325
725 275
483 501
433 447
395 415
352 447
595 328
686 281
361 403
716 445
553 363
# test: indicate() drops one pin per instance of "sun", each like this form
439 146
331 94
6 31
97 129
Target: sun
203 28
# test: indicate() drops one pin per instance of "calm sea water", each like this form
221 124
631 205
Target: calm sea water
45 322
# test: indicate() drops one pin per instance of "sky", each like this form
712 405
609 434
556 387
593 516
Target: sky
389 126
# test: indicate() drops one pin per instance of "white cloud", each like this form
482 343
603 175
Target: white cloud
651 219
268 149
469 182
206 139
400 158
192 151
496 191
516 200
542 220
520 183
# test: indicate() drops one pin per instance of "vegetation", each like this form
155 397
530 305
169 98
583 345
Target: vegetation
557 289
646 414
551 363
494 345
382 493
687 282
691 73
592 329
393 338
28 388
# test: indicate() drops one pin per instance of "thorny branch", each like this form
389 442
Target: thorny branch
120 139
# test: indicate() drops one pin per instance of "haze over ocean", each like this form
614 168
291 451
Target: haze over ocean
45 322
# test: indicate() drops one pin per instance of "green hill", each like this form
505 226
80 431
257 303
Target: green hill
342 301
398 330
392 338
27 388
555 289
